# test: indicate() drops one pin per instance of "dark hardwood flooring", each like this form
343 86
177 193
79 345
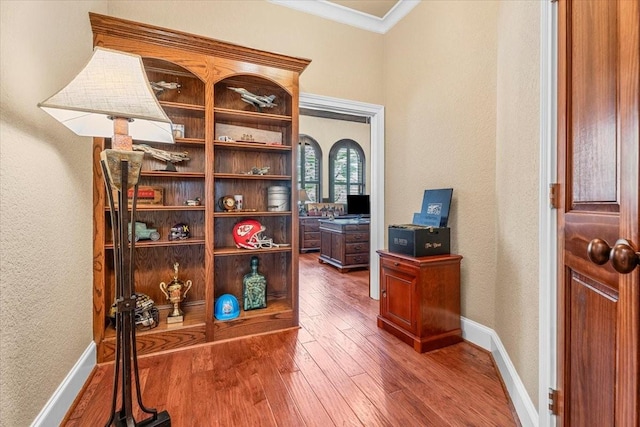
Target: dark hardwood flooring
338 369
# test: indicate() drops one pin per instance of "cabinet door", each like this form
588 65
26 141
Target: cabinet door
398 298
326 243
337 251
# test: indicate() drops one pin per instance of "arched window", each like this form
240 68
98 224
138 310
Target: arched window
346 170
310 168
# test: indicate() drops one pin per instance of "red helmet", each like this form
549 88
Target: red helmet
248 234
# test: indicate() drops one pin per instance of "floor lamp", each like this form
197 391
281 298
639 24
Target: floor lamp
111 97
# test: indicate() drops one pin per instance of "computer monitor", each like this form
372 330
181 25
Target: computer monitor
358 204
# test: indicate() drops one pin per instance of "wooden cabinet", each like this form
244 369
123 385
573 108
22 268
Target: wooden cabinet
420 299
309 233
344 243
206 69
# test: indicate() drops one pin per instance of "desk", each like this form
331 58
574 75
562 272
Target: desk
344 243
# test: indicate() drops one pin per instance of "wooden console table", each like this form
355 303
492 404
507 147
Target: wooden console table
344 243
420 299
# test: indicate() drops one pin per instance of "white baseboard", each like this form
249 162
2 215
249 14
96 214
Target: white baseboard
487 339
56 408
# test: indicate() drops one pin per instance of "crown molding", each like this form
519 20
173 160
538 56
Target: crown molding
335 12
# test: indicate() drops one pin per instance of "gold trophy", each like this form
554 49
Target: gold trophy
175 292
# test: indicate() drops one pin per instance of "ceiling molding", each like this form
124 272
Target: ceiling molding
335 12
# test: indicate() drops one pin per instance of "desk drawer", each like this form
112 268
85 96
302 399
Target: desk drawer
354 259
356 248
312 236
357 236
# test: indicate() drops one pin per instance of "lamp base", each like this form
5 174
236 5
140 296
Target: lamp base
162 419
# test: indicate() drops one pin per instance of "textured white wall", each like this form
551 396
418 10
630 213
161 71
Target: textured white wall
45 206
440 99
517 171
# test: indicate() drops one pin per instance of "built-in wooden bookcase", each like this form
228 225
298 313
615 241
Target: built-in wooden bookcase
205 70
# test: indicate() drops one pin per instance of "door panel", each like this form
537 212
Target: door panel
592 315
598 154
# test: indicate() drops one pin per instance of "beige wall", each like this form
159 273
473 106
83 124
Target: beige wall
327 132
517 171
459 83
346 61
45 209
461 98
440 99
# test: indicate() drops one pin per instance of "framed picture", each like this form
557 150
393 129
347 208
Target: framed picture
325 209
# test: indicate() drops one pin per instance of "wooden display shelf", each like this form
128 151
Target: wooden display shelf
233 251
254 177
250 117
235 214
168 174
182 106
165 336
250 146
179 208
190 141
163 242
256 321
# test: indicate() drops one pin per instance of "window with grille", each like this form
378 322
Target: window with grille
346 170
310 168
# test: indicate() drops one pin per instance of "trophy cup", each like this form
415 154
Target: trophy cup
176 292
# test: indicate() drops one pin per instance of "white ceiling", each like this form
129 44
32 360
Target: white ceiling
373 15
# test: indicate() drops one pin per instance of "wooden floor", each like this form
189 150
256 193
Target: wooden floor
338 369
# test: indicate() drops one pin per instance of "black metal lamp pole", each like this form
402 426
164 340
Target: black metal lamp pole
126 352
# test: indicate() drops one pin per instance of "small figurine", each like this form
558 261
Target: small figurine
161 86
259 171
176 292
193 202
144 233
254 288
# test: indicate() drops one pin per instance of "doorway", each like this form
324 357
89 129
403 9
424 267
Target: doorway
375 115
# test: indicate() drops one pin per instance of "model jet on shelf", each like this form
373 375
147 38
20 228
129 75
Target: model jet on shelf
167 156
161 86
257 101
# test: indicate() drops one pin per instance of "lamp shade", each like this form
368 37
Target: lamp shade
303 196
112 85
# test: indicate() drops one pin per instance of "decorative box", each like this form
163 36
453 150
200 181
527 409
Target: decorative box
147 195
419 240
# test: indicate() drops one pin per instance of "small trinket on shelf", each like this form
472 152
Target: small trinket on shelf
175 292
254 288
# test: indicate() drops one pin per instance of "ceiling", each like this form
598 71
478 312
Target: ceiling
378 16
377 8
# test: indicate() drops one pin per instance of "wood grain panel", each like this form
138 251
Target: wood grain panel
592 355
593 101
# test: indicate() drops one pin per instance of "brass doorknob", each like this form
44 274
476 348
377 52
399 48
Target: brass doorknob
598 251
623 257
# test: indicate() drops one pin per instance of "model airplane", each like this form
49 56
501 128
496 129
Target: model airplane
167 156
161 86
257 101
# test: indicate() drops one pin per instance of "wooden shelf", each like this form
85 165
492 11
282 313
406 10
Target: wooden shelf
178 208
233 251
165 336
236 214
182 106
250 117
190 141
250 146
253 177
163 242
168 174
278 312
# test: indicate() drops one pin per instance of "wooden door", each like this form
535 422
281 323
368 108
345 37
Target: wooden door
598 46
